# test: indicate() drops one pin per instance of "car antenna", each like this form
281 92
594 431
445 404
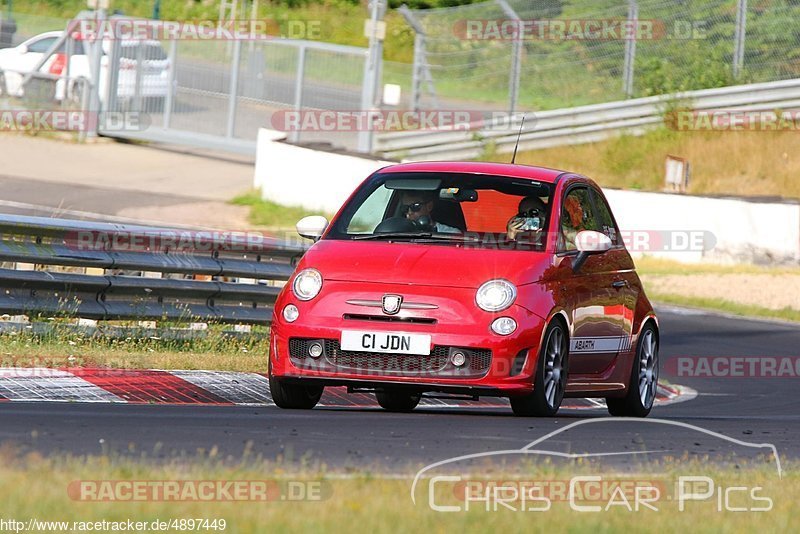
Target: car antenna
519 134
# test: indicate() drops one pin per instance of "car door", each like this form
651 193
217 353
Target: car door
591 295
621 267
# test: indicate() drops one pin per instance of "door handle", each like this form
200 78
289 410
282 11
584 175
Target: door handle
617 284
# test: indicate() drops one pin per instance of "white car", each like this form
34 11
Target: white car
17 61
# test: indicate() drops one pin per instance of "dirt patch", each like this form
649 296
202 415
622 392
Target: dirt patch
772 291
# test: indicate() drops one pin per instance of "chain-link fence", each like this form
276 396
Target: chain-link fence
192 89
502 55
546 54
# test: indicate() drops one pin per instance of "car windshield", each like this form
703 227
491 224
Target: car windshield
447 208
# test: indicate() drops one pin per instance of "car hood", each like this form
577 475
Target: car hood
422 264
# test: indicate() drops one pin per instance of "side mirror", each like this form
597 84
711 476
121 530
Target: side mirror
22 49
312 227
589 242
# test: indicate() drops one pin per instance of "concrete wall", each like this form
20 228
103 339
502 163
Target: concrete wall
315 179
731 230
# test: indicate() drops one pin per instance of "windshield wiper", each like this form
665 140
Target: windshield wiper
421 236
395 235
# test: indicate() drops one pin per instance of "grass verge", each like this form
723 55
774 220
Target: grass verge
725 306
771 279
655 266
727 163
247 354
272 215
49 489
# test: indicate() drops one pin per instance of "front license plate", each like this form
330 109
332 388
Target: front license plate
390 342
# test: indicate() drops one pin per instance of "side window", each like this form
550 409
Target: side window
42 45
605 219
576 216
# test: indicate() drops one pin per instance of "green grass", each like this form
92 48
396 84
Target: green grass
725 306
36 487
272 215
722 163
68 349
655 266
652 267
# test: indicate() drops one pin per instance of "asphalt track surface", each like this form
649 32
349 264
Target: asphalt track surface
764 410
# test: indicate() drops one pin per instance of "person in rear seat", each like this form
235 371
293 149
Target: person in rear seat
528 222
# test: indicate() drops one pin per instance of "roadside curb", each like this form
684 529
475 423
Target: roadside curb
224 388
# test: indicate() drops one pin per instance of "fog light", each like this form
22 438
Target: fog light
504 325
291 313
315 349
458 358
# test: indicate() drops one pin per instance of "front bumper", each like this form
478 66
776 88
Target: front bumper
508 371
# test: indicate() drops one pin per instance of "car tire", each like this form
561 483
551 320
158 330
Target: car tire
550 380
294 396
397 401
643 381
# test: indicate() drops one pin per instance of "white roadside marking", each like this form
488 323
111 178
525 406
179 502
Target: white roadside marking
52 385
239 388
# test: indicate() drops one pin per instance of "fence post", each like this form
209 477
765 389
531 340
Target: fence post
372 74
630 50
419 56
173 68
739 36
299 79
95 67
416 72
516 58
234 87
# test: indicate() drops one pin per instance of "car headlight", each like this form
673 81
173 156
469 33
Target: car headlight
496 295
307 284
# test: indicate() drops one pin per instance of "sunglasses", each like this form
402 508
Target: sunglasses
533 212
415 207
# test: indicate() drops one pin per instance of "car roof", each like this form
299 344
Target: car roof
543 174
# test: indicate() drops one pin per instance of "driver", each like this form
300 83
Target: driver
528 221
417 206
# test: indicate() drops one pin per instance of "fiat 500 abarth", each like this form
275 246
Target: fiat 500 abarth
467 279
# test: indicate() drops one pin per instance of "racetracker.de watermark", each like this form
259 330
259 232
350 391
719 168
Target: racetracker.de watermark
734 366
54 120
380 120
612 29
723 120
198 490
123 29
192 241
179 241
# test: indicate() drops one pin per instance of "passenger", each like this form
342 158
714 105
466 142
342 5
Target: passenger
529 221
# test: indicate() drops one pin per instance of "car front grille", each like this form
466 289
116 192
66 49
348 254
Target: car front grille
391 363
436 364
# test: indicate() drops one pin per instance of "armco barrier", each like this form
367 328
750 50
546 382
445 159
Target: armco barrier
583 124
105 271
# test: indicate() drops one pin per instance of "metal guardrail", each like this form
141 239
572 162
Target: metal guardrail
583 124
106 271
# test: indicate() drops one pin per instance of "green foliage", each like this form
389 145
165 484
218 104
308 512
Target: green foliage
271 214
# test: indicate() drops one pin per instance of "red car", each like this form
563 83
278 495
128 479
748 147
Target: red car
467 279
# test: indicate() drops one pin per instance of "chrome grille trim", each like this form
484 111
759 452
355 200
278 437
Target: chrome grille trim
404 306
